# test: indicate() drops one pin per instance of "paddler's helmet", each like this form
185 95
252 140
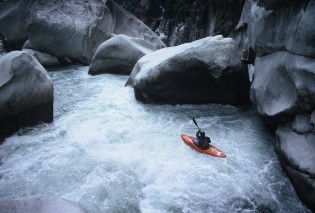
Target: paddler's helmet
202 133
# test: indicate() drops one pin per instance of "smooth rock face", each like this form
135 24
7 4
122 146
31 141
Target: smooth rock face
119 55
43 58
283 84
127 24
39 204
70 28
289 28
208 70
26 92
297 155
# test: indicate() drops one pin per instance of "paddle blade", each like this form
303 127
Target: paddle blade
195 122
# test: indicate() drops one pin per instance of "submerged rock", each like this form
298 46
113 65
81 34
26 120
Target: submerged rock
283 85
26 92
39 204
119 55
208 70
297 155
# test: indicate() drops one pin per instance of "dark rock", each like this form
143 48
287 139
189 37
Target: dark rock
28 45
127 24
277 80
276 4
2 49
13 21
43 58
119 55
301 124
313 117
40 204
26 92
297 156
205 71
186 21
289 28
71 28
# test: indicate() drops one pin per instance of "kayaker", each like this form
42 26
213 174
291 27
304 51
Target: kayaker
202 141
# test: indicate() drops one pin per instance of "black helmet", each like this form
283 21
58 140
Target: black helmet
202 133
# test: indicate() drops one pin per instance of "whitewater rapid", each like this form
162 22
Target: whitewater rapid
111 153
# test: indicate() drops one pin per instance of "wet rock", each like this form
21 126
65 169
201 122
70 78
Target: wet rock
119 55
43 58
39 204
127 24
71 28
297 156
208 70
301 124
26 92
277 82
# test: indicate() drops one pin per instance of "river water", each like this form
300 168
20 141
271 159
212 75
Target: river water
111 153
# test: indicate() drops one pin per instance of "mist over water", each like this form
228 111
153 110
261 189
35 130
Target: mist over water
111 153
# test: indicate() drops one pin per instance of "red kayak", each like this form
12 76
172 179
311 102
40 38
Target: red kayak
213 151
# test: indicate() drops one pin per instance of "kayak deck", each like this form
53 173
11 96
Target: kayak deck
213 151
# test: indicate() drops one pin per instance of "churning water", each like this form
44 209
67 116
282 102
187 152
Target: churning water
111 153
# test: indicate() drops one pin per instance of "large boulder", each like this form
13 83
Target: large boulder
26 92
127 24
71 28
119 55
43 58
289 28
208 70
283 85
39 204
297 156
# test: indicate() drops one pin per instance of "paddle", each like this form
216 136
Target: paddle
195 122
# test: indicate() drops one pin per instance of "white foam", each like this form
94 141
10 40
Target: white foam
111 153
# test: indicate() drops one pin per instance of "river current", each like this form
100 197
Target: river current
111 153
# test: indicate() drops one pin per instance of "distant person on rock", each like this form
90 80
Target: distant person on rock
202 141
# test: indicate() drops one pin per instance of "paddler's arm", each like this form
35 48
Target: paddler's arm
198 134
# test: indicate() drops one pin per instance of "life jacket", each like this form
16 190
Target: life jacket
205 144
